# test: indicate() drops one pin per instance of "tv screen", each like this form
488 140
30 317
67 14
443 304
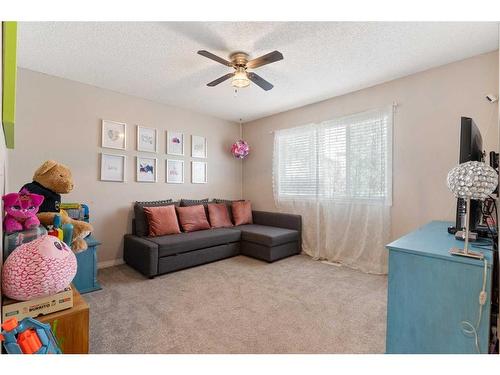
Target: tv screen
471 143
471 149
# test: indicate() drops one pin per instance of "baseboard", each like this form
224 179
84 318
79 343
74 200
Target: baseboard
110 263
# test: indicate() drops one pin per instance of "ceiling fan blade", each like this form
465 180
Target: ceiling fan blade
259 81
265 59
211 56
220 80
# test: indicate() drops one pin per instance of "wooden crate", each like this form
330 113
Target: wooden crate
71 326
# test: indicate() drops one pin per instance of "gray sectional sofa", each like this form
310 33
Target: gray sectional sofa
272 236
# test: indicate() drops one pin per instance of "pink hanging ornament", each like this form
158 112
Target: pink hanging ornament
240 149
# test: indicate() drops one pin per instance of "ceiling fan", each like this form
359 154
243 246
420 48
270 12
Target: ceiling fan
239 62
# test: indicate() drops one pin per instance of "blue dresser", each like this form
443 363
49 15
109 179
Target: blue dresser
86 275
430 293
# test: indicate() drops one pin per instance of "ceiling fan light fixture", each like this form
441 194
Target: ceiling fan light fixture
240 78
239 62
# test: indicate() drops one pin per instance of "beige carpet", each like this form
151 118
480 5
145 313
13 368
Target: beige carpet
240 305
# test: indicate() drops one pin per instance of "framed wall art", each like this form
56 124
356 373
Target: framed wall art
146 169
175 143
113 167
198 146
146 139
114 135
199 172
174 171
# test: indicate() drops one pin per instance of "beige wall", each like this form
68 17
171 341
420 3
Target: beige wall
60 119
426 133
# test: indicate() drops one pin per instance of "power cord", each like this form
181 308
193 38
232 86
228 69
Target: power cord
467 327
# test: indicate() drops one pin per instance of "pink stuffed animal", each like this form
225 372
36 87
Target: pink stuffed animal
38 268
21 209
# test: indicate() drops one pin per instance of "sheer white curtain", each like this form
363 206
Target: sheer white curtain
338 176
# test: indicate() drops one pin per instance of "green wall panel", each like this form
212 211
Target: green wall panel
9 66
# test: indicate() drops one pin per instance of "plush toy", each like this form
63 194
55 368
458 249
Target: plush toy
38 268
21 209
51 180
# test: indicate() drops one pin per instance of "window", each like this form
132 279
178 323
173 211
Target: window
345 159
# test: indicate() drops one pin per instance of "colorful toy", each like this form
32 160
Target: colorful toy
28 337
38 268
67 233
240 149
21 209
57 226
51 180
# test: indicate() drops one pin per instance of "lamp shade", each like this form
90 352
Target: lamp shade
240 149
473 180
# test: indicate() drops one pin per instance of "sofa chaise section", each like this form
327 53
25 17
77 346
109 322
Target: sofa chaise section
272 236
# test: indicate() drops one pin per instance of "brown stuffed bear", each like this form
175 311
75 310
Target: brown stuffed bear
51 180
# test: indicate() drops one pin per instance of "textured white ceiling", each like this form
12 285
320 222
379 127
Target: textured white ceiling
158 61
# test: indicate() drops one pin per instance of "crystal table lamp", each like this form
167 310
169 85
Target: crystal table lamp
471 180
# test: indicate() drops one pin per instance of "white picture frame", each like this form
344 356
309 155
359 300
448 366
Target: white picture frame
147 139
199 172
175 143
198 147
174 171
146 169
113 135
113 167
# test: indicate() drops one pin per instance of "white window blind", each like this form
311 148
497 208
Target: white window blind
345 159
295 159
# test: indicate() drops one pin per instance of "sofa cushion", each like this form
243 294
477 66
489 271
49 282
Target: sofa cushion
183 242
141 222
193 218
195 202
162 220
268 236
218 215
228 203
242 212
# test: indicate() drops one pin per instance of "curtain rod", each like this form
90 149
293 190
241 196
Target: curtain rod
394 106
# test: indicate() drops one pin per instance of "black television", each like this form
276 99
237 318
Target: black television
471 142
471 149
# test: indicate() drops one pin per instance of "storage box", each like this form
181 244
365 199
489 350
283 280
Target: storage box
38 306
13 240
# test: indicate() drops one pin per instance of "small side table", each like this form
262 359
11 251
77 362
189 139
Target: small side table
71 326
86 275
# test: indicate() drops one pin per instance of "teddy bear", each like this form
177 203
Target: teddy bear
21 209
51 180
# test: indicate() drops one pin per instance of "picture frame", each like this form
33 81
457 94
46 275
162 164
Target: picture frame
174 171
113 135
198 147
146 169
199 172
147 139
175 143
113 167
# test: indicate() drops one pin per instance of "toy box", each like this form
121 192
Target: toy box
76 211
38 306
13 240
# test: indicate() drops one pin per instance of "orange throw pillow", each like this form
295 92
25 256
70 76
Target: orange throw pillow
193 218
219 217
242 212
162 220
